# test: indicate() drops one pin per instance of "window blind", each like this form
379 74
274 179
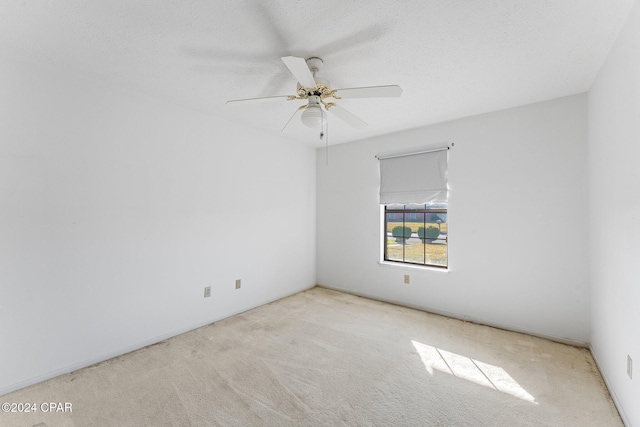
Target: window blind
414 178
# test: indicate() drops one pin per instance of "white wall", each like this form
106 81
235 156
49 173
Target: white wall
517 220
116 210
614 207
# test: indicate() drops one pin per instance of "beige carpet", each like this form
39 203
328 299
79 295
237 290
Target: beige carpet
324 358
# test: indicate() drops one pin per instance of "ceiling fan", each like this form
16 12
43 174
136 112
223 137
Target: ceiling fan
319 94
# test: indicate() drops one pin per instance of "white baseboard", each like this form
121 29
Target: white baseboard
506 327
612 392
137 346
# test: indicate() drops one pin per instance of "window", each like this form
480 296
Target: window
416 234
414 193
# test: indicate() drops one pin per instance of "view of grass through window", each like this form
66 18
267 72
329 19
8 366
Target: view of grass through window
416 234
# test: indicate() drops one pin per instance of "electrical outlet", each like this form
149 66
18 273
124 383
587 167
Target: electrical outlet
238 284
629 366
407 279
207 291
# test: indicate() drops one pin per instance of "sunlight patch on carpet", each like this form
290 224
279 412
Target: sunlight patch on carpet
469 369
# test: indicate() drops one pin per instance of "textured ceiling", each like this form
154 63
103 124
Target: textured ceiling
453 58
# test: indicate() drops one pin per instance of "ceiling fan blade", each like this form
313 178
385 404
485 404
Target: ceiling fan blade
302 107
257 100
300 70
347 117
370 92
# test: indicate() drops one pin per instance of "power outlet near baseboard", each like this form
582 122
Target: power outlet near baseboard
238 284
629 366
407 279
207 291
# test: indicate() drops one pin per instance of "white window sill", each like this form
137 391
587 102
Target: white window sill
412 267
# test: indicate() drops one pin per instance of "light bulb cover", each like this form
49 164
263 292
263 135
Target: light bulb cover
312 116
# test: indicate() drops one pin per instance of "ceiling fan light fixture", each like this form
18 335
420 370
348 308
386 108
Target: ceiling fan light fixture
317 90
312 116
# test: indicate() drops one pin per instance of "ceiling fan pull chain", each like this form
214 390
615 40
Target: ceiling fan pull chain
326 150
324 134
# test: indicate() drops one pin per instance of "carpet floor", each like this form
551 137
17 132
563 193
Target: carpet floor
326 358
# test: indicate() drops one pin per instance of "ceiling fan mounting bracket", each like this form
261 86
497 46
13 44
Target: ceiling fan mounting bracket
315 64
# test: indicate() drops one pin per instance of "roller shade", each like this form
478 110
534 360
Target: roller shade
414 178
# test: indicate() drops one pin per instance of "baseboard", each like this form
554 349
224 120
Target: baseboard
137 346
612 392
505 327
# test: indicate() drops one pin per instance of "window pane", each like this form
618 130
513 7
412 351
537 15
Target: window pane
438 220
414 250
417 220
436 253
416 237
394 245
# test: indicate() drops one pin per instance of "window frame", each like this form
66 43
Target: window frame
385 210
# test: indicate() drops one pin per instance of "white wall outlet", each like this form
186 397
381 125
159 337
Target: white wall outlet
629 366
407 279
238 284
207 291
